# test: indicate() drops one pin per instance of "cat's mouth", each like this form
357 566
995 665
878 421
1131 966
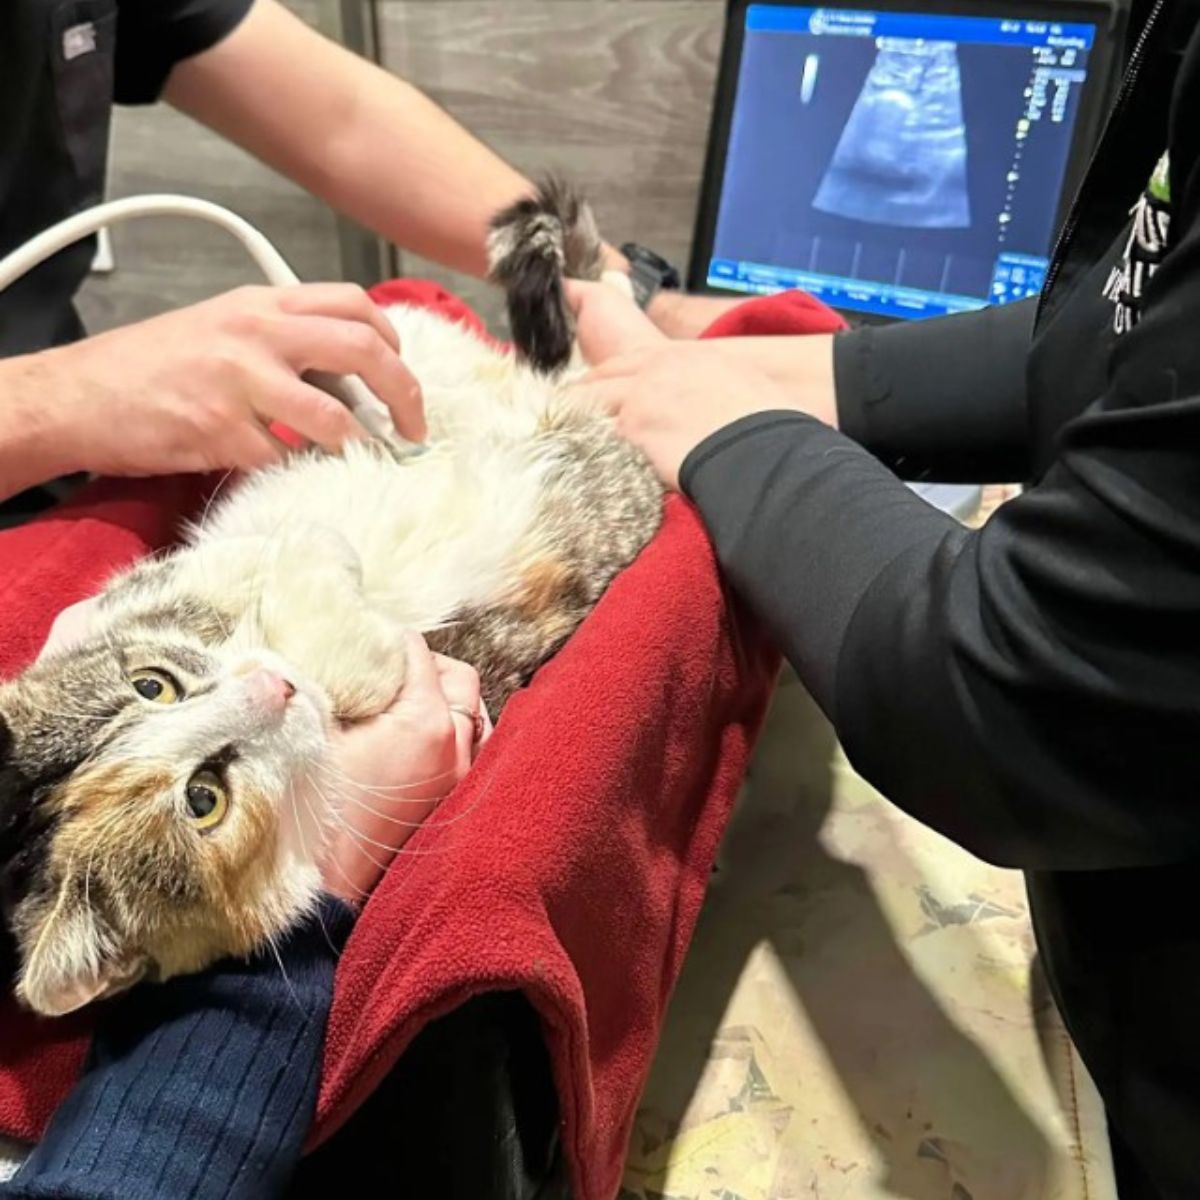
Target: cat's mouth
294 722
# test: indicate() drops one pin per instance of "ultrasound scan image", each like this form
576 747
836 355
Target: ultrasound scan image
902 157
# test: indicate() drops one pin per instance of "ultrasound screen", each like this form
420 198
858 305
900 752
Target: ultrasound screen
897 163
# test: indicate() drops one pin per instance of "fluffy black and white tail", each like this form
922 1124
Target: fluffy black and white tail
533 246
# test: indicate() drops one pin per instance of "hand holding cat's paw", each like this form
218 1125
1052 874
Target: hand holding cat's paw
396 767
315 614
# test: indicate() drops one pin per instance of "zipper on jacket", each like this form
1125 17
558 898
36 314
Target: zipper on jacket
1132 70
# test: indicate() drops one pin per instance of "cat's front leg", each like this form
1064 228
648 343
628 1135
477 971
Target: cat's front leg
316 615
303 598
355 654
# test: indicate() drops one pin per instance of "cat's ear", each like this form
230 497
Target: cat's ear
75 960
70 627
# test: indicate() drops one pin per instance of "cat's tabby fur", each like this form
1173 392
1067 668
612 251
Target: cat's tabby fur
496 543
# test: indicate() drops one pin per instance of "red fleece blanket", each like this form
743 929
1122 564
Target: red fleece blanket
570 864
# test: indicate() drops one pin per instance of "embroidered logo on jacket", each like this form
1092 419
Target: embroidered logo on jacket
1143 251
78 41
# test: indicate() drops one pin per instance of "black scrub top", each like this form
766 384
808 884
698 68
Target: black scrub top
63 64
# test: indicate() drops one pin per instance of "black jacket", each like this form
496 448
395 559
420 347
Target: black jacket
1032 690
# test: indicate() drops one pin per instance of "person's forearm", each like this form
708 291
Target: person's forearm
803 522
933 400
940 400
32 448
369 144
1005 686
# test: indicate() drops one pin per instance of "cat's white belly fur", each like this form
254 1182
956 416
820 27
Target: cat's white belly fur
441 530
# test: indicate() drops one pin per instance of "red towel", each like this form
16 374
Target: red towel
571 863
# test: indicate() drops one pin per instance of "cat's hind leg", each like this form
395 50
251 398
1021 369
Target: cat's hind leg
534 245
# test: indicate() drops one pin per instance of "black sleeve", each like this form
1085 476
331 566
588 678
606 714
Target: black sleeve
941 400
154 35
1031 690
204 1086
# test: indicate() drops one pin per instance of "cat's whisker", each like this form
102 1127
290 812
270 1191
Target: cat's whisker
363 894
87 879
208 504
299 823
433 800
80 710
383 791
274 546
107 634
82 714
427 823
356 834
79 718
329 857
307 854
408 851
283 971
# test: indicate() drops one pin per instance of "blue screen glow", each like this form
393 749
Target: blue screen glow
898 163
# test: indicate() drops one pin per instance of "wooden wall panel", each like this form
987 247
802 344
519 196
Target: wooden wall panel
615 94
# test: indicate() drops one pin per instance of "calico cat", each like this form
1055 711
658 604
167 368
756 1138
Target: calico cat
157 810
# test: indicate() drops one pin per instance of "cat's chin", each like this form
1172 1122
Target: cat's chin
312 704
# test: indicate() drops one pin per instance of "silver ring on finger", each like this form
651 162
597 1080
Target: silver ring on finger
476 719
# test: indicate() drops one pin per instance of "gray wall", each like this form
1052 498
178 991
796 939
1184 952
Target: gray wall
613 93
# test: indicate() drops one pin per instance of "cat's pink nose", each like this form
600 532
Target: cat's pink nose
269 688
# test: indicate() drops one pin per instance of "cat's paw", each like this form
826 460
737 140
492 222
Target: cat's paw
355 654
313 612
362 665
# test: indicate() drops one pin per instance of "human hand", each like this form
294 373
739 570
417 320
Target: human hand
667 397
673 313
196 389
394 768
607 321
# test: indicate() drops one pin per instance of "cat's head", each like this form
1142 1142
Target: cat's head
160 808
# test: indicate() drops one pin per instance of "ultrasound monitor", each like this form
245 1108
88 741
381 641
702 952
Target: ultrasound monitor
896 162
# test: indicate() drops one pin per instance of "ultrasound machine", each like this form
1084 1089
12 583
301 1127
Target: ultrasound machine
900 160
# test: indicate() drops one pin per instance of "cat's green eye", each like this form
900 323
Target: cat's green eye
207 800
156 686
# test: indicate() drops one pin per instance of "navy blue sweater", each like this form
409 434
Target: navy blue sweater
201 1087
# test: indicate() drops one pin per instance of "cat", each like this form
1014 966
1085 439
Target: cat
157 804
